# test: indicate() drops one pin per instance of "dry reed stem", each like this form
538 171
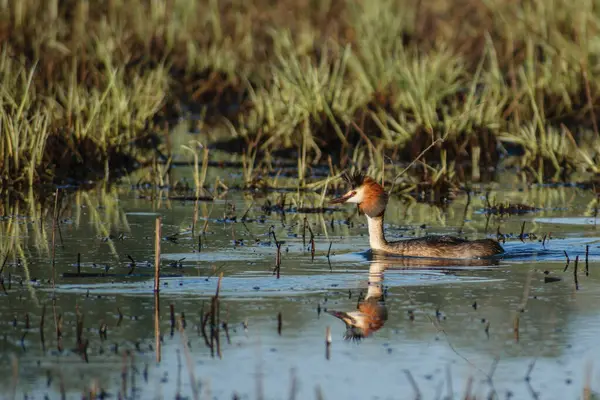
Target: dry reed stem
157 236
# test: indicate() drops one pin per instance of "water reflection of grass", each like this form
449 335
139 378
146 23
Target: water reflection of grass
27 223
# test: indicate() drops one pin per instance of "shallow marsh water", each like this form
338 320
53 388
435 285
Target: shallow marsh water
448 328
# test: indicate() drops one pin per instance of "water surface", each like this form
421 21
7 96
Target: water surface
440 330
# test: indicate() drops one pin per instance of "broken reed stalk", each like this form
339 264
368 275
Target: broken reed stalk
312 243
304 234
277 269
132 265
587 265
203 329
327 343
568 261
172 309
157 254
157 343
544 241
42 328
279 323
54 222
575 273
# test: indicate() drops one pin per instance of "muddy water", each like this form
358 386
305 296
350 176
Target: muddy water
414 326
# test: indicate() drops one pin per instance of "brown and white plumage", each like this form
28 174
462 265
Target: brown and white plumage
371 312
372 201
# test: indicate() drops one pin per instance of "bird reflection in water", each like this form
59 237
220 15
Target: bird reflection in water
371 312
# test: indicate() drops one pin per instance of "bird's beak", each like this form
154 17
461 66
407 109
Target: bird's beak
342 199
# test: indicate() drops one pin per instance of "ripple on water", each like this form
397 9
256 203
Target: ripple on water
567 220
264 284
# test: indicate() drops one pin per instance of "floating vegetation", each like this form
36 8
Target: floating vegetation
509 209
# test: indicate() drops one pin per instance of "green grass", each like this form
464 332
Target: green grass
352 84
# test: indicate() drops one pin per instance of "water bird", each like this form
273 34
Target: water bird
372 200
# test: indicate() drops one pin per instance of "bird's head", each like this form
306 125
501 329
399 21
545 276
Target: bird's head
370 197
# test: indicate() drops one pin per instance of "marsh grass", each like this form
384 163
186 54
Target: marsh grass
365 83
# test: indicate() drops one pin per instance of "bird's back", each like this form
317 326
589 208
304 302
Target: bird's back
445 247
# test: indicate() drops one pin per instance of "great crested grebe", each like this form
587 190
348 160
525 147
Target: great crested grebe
372 201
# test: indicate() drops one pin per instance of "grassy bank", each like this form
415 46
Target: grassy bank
90 87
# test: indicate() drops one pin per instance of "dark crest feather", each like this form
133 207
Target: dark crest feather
355 179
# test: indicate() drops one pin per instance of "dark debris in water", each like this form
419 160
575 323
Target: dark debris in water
551 279
509 209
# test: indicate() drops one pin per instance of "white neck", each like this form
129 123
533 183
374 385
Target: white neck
376 238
